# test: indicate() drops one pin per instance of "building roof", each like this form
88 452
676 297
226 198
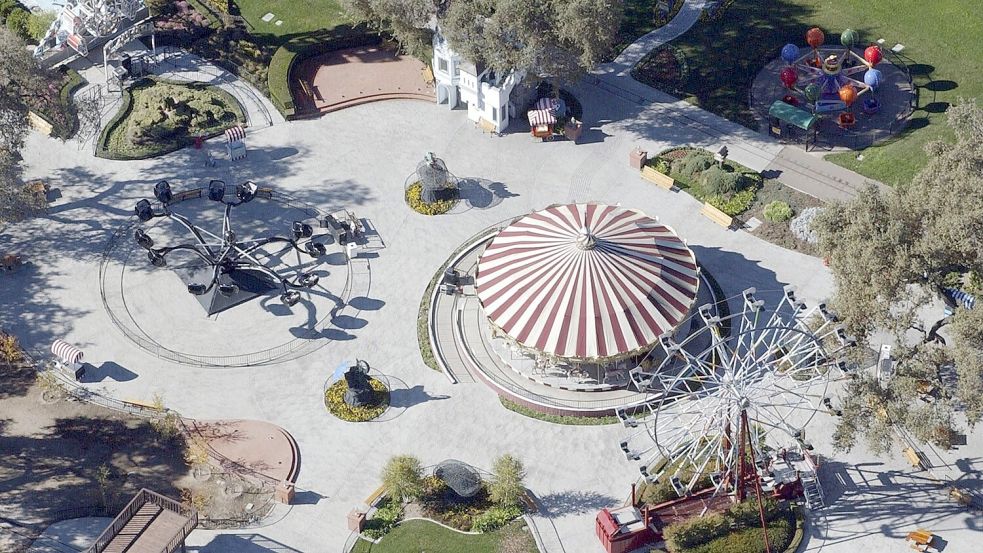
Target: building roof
587 282
792 115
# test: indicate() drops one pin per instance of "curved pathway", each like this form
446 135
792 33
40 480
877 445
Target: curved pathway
687 16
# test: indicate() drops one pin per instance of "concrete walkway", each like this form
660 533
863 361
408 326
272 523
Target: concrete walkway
687 16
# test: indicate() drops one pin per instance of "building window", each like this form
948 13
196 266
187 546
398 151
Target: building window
457 71
495 115
442 64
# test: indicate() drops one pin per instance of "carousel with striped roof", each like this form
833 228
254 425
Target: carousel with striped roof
561 310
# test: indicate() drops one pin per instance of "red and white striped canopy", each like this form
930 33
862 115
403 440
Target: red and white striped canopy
235 134
587 281
66 352
541 117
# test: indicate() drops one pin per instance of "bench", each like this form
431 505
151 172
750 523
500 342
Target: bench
375 496
716 215
186 195
142 404
428 75
660 179
913 457
487 126
529 503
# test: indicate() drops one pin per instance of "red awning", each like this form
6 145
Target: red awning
235 134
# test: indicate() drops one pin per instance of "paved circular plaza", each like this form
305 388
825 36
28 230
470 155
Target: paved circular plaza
358 159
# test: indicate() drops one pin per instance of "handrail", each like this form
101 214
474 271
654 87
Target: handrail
141 498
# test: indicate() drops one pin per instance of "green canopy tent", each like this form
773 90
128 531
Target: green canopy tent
787 115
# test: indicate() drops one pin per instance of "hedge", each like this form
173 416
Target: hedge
301 48
214 21
102 147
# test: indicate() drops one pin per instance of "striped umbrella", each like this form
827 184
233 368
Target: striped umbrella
587 281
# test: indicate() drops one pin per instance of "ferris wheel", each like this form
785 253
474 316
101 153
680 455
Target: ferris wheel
735 384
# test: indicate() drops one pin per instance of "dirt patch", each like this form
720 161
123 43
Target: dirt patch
780 233
64 459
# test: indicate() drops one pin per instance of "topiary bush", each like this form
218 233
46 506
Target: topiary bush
334 400
778 212
717 181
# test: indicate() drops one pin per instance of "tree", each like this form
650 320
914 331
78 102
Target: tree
891 255
403 477
506 487
19 22
38 23
556 39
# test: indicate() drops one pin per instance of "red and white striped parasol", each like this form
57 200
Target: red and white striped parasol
587 281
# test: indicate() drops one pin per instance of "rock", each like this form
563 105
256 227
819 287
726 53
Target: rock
801 225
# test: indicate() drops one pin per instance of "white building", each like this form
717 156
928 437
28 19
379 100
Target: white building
460 82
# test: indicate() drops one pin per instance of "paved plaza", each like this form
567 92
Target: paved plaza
358 159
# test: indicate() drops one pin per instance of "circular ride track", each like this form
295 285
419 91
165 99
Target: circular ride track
152 307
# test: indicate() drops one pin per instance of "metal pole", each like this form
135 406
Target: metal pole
757 483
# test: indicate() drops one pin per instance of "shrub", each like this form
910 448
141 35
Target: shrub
416 203
693 163
38 23
506 486
695 532
778 212
403 477
387 514
736 204
18 22
720 182
7 6
974 283
334 400
10 352
495 518
661 165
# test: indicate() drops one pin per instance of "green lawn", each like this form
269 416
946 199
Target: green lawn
420 535
725 55
640 18
299 17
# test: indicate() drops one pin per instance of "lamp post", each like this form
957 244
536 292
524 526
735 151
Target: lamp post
721 155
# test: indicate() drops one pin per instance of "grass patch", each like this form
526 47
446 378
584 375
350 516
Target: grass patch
557 419
640 19
422 535
299 17
750 33
159 116
334 400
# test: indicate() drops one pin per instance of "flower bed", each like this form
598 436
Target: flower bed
334 400
439 207
732 189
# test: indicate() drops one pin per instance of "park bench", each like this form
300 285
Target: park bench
660 179
375 496
716 215
921 538
186 195
913 457
141 404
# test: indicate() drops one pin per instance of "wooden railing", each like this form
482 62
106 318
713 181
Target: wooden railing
143 497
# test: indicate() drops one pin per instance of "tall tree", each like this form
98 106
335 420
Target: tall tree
558 39
892 254
18 78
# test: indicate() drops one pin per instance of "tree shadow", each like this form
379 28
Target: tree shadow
482 193
242 543
575 502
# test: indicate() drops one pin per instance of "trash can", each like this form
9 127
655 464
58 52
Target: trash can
637 158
